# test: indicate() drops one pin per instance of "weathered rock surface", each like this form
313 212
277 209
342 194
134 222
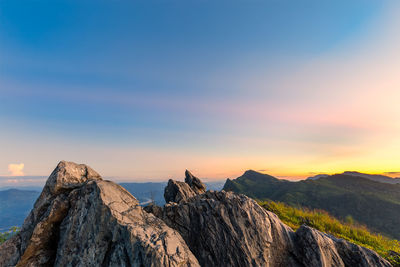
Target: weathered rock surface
81 220
195 183
181 191
315 248
226 229
176 191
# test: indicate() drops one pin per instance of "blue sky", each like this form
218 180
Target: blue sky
145 89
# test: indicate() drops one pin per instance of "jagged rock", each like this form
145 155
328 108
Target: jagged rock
176 191
226 229
81 220
315 248
69 175
195 183
154 209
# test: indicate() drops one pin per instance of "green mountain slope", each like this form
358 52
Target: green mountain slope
349 230
375 204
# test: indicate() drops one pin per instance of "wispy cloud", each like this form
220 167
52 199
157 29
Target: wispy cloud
16 169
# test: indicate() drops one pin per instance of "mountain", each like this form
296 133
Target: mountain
372 177
80 219
15 206
375 204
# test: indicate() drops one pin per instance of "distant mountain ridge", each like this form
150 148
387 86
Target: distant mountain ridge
375 204
15 205
373 177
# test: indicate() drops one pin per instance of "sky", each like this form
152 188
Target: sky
142 90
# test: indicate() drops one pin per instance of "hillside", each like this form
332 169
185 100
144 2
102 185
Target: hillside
375 204
349 230
373 177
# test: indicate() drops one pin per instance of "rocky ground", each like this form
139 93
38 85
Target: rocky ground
82 220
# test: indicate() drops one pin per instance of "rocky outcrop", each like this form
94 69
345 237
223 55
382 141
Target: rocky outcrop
81 220
195 183
227 229
176 191
181 191
315 248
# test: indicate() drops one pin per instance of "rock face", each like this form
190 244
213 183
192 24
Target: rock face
181 191
227 229
82 220
195 183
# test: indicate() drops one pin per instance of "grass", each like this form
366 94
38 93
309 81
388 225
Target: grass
6 235
374 204
348 229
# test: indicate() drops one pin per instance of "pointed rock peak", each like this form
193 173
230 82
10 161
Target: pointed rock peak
195 183
69 175
176 191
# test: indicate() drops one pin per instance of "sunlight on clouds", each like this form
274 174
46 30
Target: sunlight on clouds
16 169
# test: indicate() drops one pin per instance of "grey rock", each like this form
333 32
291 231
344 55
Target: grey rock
315 248
81 220
176 191
227 229
195 183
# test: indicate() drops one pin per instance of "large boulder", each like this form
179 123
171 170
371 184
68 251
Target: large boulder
315 248
226 229
82 220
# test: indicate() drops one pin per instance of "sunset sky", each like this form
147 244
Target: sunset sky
146 89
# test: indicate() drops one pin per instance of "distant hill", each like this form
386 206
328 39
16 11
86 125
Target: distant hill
372 203
372 177
15 205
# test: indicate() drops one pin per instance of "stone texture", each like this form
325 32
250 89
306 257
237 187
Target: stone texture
227 229
195 183
315 248
81 220
176 191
